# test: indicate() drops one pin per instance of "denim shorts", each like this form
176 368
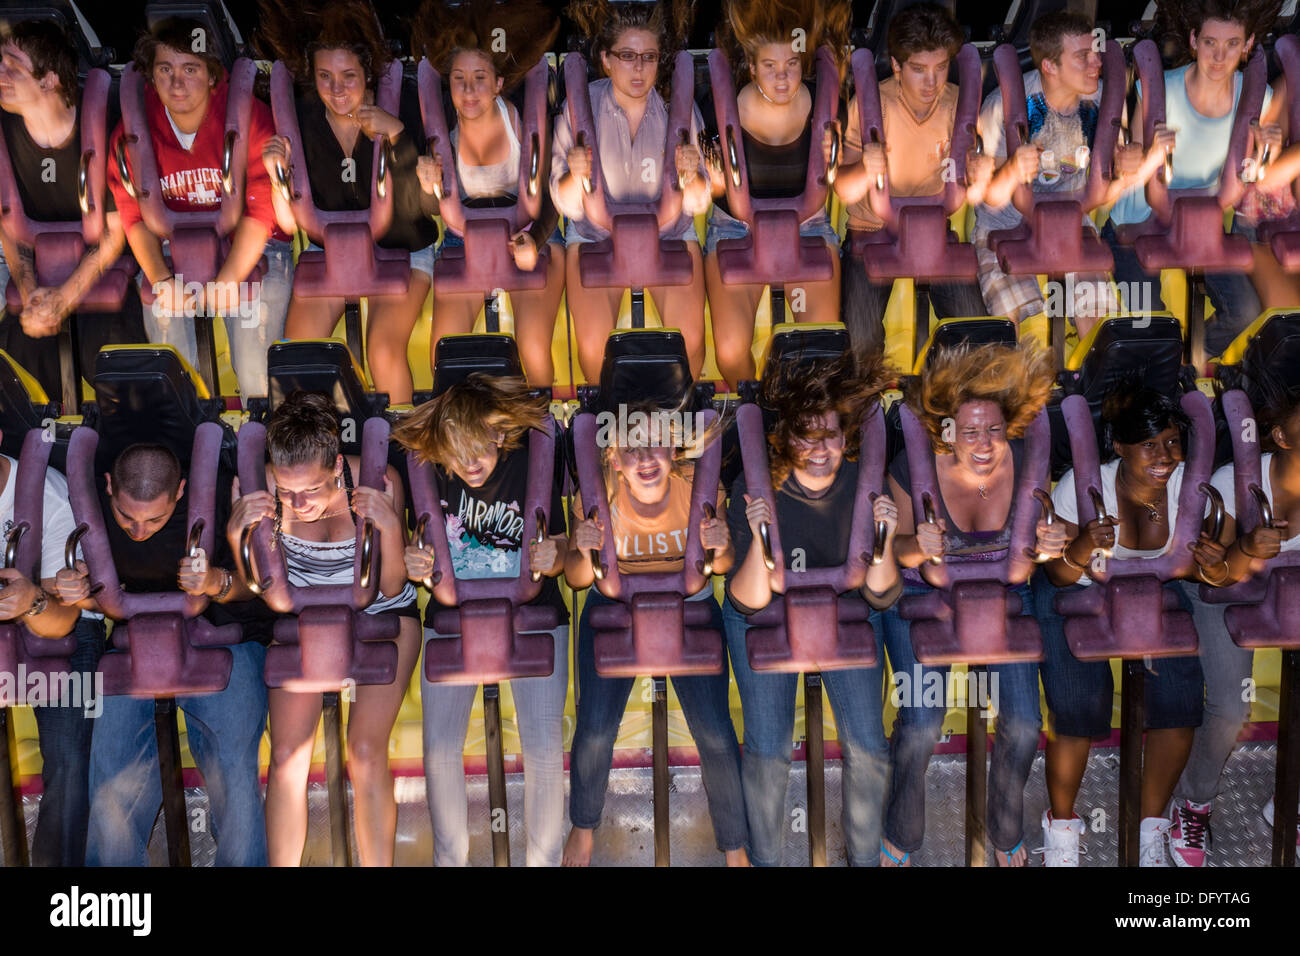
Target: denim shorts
723 226
421 259
452 240
1080 694
573 237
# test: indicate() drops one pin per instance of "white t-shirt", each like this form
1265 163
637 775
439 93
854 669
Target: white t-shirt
58 517
1224 481
1066 506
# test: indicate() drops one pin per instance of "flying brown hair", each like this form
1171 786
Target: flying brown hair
1018 380
1177 19
798 393
295 30
602 23
527 30
465 419
748 24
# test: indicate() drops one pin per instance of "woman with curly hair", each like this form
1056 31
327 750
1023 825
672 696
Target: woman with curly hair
1140 484
976 404
336 52
630 44
764 41
480 74
1210 39
649 489
819 408
315 508
477 434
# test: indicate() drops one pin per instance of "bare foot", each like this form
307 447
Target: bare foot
737 857
1017 857
577 848
892 856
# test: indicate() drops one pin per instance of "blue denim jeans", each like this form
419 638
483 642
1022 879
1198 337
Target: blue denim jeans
65 734
1081 694
539 716
224 732
918 726
864 301
1236 303
250 334
768 703
601 701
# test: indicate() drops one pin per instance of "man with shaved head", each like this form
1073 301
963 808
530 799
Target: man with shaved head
144 493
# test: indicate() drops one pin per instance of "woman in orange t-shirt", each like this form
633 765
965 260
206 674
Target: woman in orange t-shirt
649 505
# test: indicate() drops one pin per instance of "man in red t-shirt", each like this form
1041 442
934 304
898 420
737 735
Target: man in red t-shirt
185 108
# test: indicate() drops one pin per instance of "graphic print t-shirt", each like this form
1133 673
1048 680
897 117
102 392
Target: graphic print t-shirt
485 525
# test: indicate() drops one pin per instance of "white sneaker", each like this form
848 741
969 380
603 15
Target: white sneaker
1061 841
1267 814
1154 831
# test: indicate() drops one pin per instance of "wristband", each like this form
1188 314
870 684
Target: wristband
1227 572
226 586
1065 556
39 604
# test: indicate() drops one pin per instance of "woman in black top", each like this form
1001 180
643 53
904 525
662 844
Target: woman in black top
339 122
776 40
477 434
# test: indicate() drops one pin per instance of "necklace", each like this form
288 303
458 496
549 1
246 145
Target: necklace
984 492
1153 512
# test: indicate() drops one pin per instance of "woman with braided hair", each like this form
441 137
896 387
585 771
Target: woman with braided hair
315 507
480 73
630 45
336 52
771 44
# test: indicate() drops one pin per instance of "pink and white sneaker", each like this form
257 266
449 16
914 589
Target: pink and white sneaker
1189 833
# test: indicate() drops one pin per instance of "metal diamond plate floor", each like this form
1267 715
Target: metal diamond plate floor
627 837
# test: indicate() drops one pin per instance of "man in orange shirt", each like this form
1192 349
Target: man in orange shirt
919 107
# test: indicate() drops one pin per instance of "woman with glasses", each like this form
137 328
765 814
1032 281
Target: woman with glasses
629 44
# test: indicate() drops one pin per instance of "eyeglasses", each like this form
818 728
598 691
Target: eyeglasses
631 56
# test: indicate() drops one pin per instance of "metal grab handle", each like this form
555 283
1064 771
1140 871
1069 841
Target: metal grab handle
927 505
227 161
196 532
367 552
1262 168
1167 170
832 167
1265 507
586 180
1049 515
1099 505
878 544
540 516
1022 130
430 143
11 543
979 148
256 583
685 140
381 173
70 553
1216 508
123 170
705 567
434 576
534 164
734 159
282 182
765 539
83 181
597 565
880 177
